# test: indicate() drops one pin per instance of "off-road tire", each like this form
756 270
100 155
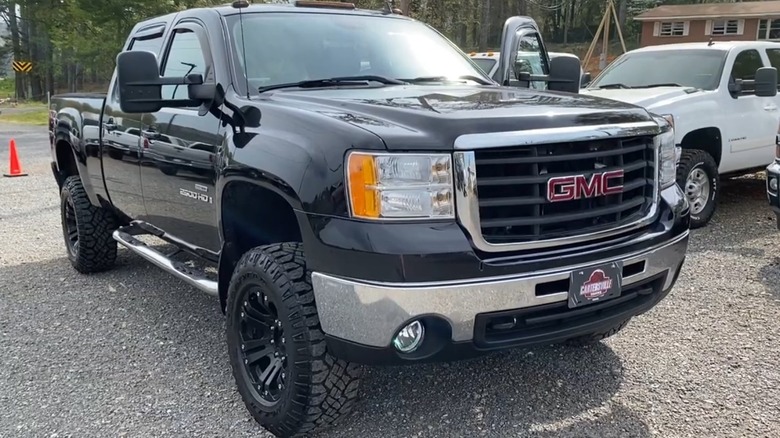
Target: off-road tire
94 249
690 160
319 389
595 338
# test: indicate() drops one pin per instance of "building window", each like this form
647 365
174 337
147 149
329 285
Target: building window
726 27
673 28
769 29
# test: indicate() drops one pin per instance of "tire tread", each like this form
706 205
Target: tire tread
327 387
97 249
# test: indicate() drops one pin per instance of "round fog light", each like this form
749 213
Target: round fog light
773 184
409 338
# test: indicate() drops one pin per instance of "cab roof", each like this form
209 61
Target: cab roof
322 7
716 45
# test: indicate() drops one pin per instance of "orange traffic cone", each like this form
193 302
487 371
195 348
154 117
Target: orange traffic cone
16 167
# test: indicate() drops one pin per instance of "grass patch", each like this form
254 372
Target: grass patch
37 117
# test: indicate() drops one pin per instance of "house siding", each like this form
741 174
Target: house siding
697 32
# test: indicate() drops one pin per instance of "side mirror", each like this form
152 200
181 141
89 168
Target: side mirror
523 69
735 87
140 84
565 74
585 80
766 82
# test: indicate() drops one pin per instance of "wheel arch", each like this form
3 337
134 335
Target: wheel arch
707 139
65 159
253 213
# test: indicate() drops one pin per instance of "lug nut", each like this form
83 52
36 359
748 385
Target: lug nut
272 341
246 361
243 347
242 314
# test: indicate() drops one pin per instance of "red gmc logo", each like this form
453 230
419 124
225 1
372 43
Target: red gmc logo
569 188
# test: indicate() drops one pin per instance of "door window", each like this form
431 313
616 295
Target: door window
530 58
774 60
153 45
745 66
185 56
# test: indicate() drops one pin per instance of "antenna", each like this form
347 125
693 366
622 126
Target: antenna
390 7
240 5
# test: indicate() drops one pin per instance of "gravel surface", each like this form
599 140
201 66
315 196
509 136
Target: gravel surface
134 352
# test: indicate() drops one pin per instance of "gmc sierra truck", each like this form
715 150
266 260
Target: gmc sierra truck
721 97
355 191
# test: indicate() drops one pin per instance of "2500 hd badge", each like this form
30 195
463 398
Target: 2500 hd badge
195 195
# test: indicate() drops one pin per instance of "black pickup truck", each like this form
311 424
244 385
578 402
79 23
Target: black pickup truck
356 191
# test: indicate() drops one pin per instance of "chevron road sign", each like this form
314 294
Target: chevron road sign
22 66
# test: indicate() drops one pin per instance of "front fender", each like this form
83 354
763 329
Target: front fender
690 114
299 155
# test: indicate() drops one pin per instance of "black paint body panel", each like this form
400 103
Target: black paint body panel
297 150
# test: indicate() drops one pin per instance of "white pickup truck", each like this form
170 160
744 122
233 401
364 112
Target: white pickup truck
723 108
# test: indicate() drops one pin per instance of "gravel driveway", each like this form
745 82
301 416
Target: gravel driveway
134 352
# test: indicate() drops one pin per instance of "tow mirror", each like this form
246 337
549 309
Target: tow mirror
565 74
522 69
140 84
586 78
765 82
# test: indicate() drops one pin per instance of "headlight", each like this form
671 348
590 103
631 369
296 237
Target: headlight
400 186
667 151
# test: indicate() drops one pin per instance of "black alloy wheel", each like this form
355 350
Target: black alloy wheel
287 379
87 229
70 228
263 346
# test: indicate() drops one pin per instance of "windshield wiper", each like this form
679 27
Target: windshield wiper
333 82
613 86
667 84
476 79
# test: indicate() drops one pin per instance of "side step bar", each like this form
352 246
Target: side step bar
178 269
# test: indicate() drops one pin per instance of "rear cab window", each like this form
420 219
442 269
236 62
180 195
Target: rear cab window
148 39
774 61
745 65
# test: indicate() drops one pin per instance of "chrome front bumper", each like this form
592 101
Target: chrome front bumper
371 313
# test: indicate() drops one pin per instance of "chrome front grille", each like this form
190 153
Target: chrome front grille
502 191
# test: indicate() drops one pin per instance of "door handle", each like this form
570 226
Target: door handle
770 107
150 135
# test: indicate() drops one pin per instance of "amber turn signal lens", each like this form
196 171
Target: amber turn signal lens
361 182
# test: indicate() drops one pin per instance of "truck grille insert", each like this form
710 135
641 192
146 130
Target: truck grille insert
512 186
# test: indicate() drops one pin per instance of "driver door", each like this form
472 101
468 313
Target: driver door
522 51
753 122
180 148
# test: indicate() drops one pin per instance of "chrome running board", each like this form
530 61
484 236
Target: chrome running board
183 272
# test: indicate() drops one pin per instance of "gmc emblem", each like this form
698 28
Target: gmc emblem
569 188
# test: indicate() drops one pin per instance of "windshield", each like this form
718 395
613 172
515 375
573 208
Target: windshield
486 64
689 68
284 48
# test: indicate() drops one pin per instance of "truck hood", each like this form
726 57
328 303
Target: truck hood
432 117
648 98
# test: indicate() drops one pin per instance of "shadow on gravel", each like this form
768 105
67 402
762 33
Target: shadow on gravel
130 340
552 391
769 275
743 215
